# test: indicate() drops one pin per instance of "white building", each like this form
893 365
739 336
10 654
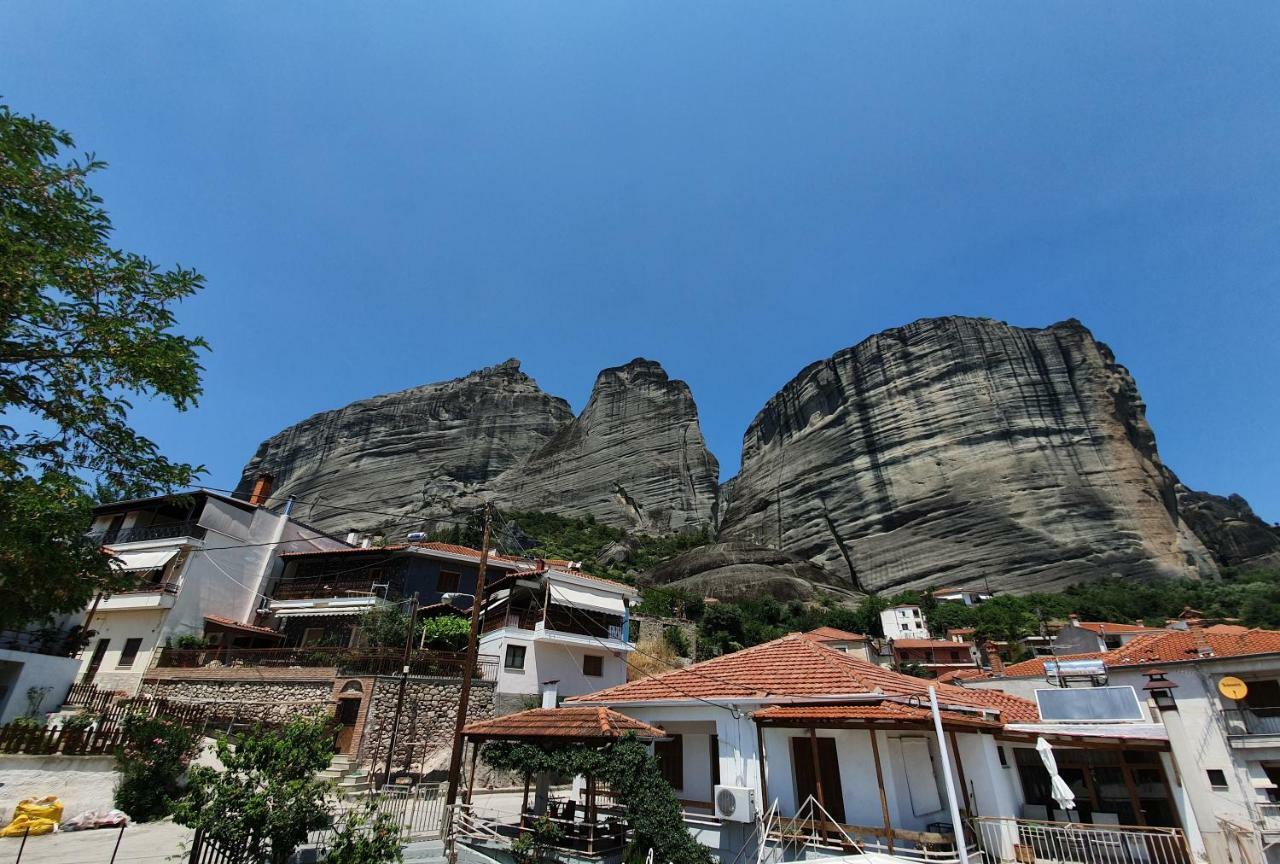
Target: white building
1227 750
967 596
198 556
904 622
556 629
37 668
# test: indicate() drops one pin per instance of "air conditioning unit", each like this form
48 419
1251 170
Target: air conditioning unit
735 804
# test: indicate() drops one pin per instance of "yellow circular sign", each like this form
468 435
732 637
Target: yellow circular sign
1233 688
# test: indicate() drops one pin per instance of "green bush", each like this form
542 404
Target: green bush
366 837
151 762
446 633
190 642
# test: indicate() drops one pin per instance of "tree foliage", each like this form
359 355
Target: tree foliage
365 836
151 762
267 799
653 810
84 328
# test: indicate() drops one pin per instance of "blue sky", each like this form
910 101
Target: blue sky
387 194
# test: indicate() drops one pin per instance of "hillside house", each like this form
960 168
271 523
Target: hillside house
1080 637
905 621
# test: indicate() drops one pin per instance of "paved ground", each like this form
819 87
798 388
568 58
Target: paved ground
151 843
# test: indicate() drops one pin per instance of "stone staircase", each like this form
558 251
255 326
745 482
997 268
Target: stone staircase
424 852
349 779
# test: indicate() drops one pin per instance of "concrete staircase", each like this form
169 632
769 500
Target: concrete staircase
349 779
425 852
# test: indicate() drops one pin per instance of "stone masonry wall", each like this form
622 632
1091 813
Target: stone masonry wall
264 699
425 735
647 629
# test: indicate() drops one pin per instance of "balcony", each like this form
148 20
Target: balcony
49 641
318 588
1022 841
1253 726
346 661
148 533
152 595
580 627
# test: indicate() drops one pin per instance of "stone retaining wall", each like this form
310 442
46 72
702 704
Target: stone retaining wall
425 735
269 699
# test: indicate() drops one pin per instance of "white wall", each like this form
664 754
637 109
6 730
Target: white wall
547 660
118 626
21 670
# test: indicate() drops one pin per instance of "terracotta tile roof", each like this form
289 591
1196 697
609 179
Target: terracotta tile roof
831 634
575 723
929 643
1166 646
1100 627
794 666
963 675
353 551
870 713
1013 709
229 622
601 579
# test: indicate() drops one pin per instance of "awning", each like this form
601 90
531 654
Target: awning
319 613
581 597
152 560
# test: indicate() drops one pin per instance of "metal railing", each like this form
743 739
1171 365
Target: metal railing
1253 720
813 828
1269 816
348 661
48 640
1023 841
315 588
149 532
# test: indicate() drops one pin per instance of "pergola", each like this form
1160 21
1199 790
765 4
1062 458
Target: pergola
580 726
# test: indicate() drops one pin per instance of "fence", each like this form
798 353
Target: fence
115 849
90 697
1021 841
1253 721
348 661
36 741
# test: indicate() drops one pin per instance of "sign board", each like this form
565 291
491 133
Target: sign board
1090 705
1233 688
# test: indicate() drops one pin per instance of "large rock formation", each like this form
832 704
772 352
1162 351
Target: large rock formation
1230 529
961 451
733 570
634 458
411 455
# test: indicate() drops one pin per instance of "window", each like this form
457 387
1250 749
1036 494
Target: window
714 750
670 756
130 653
446 582
1004 758
514 658
593 665
1217 778
312 635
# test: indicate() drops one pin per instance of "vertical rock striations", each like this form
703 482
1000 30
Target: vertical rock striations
414 454
634 458
963 451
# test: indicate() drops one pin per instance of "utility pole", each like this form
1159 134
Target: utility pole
464 697
404 682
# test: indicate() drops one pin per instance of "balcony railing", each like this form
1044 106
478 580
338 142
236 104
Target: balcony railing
1253 721
1022 841
348 661
1269 816
53 642
150 588
149 532
309 589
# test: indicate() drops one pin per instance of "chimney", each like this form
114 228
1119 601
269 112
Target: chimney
261 490
550 694
1202 646
994 660
1074 619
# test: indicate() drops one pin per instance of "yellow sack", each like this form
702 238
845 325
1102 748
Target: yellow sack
34 816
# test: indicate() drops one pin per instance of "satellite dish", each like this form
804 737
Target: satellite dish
1233 688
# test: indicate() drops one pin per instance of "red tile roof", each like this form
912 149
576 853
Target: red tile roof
930 643
794 666
963 675
831 634
870 713
229 622
1165 646
1100 627
574 723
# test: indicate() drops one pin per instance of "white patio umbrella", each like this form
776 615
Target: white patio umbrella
1057 786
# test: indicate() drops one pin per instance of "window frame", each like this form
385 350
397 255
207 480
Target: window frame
452 585
507 658
599 659
136 643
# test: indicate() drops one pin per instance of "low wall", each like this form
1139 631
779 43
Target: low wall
81 782
269 695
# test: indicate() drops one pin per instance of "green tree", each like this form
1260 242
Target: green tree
1005 618
267 798
950 616
151 762
84 328
366 837
385 627
446 633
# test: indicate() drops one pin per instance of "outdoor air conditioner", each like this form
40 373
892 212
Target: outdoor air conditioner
735 804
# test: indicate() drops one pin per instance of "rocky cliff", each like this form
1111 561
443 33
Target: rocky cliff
963 451
1230 529
411 455
634 458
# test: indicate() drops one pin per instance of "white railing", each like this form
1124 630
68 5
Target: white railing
418 811
1024 841
1269 816
812 828
468 824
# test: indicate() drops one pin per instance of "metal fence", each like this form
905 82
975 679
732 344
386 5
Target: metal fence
1022 841
1252 721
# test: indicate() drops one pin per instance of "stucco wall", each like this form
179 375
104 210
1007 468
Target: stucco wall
21 670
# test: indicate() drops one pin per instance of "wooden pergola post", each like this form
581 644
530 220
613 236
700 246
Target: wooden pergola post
471 776
884 801
964 787
817 776
764 781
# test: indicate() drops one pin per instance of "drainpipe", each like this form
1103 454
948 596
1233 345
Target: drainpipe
956 825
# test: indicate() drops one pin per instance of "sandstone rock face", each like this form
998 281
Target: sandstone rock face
634 458
959 451
1230 529
415 454
733 570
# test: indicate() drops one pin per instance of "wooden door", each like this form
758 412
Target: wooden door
829 764
95 661
347 714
